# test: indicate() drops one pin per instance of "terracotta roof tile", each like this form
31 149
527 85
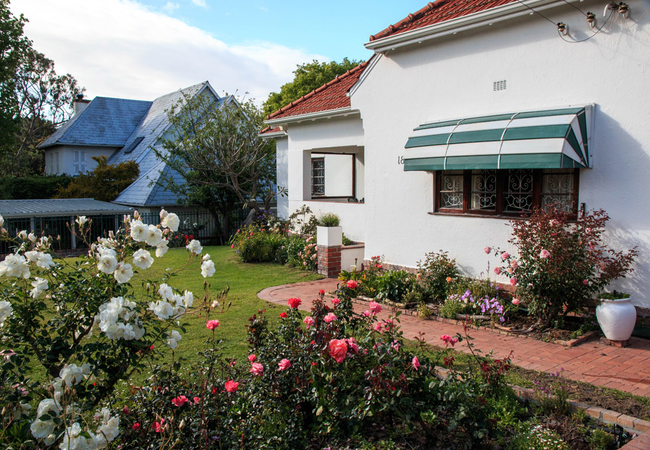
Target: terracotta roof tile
270 130
437 12
327 97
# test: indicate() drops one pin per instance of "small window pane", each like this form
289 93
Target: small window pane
557 190
451 190
318 176
484 190
518 195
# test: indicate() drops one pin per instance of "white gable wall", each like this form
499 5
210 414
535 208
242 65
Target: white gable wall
61 159
453 77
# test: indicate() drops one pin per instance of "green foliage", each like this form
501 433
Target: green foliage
12 188
329 220
393 285
435 274
451 308
346 240
257 245
33 98
104 182
561 264
303 222
600 440
553 396
368 279
308 76
216 148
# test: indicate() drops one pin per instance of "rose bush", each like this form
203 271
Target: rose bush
561 264
81 324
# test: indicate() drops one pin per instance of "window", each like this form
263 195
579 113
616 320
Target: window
132 146
509 192
79 162
318 177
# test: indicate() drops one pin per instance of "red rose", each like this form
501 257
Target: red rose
283 314
338 348
231 386
294 302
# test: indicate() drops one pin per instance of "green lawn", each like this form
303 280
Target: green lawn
244 280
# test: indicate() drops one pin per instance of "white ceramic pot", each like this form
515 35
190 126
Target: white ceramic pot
616 318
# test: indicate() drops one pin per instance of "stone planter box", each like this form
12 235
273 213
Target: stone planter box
329 236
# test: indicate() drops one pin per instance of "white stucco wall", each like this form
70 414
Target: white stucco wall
66 158
453 77
336 135
282 161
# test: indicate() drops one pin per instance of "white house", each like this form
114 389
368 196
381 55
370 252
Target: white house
471 111
122 130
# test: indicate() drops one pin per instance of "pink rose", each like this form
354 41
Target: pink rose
497 270
515 301
378 327
252 358
232 245
415 362
505 255
329 318
352 345
487 252
513 281
544 254
212 324
257 369
585 282
352 284
445 338
309 321
180 401
294 302
231 386
338 348
197 400
375 307
336 301
453 341
284 364
366 313
514 264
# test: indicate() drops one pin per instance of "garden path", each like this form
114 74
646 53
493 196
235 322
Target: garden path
625 369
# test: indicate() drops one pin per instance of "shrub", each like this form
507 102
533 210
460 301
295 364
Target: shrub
256 244
393 285
13 188
468 304
79 326
561 265
537 437
329 220
435 274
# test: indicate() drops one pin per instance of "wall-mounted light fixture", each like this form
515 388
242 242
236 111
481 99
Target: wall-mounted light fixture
562 28
591 19
624 9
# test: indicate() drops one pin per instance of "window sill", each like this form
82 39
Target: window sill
570 219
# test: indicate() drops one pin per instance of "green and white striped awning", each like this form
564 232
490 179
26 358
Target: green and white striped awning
550 139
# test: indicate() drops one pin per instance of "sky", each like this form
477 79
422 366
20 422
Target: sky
142 49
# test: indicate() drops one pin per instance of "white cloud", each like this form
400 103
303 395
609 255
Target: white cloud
200 3
120 48
170 7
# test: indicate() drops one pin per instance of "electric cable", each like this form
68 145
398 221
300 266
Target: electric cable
611 14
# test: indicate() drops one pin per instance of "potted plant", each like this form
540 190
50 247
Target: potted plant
328 232
616 315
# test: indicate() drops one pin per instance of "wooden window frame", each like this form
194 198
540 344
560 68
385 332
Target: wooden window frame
502 180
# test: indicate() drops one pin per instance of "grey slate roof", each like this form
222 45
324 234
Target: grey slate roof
145 191
59 207
105 122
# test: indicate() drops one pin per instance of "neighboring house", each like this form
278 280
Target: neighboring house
122 130
471 111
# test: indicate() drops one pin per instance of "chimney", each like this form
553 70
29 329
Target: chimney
79 104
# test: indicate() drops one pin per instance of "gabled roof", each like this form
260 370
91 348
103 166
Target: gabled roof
105 122
330 96
438 12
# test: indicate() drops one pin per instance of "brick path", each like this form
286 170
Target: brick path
625 369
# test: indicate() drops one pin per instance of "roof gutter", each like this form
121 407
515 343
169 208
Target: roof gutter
274 135
471 21
312 116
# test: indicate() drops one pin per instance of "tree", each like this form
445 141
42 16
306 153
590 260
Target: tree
216 148
308 77
105 182
34 100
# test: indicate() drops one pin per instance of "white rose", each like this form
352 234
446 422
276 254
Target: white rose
161 249
107 263
194 246
173 338
2 221
47 405
123 273
81 220
206 257
163 214
40 286
162 309
154 235
41 428
5 311
14 266
142 259
188 299
44 260
71 374
171 221
207 268
139 231
31 237
23 235
166 291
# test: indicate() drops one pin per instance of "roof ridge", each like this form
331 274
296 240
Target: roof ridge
408 19
336 79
